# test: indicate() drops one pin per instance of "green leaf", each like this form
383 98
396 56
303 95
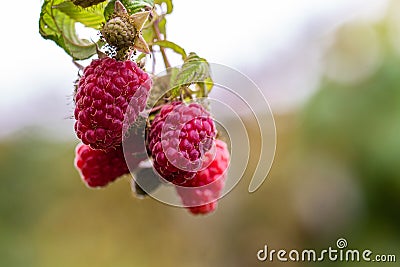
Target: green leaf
140 57
195 70
90 17
160 88
205 87
170 6
132 6
59 27
148 33
176 48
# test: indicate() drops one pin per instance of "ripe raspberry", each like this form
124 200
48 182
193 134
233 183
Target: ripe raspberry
97 167
179 137
109 92
201 193
86 3
204 209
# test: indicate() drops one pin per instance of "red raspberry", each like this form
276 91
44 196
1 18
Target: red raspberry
178 138
201 193
204 209
97 167
107 91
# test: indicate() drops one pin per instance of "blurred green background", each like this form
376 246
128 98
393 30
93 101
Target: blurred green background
336 174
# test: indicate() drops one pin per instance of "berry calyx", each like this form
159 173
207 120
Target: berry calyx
107 90
99 168
178 139
200 194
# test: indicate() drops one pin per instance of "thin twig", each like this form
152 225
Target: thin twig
162 50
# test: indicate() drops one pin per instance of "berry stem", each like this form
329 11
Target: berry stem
154 61
154 109
158 35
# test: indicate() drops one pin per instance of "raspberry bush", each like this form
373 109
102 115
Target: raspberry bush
129 121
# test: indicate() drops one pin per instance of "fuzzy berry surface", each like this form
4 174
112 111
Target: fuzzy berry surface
178 139
97 167
199 195
108 91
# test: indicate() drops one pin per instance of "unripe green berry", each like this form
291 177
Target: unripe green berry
119 32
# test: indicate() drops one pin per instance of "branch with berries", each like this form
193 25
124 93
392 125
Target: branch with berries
158 128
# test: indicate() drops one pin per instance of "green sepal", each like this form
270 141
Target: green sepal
148 32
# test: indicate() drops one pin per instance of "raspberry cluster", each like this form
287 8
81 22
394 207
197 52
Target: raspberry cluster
176 135
109 93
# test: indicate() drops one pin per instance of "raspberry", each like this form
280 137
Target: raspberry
178 138
203 209
200 194
97 167
86 3
109 92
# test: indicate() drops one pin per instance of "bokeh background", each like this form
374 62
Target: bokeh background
331 73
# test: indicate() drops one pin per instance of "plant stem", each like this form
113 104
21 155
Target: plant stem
162 50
